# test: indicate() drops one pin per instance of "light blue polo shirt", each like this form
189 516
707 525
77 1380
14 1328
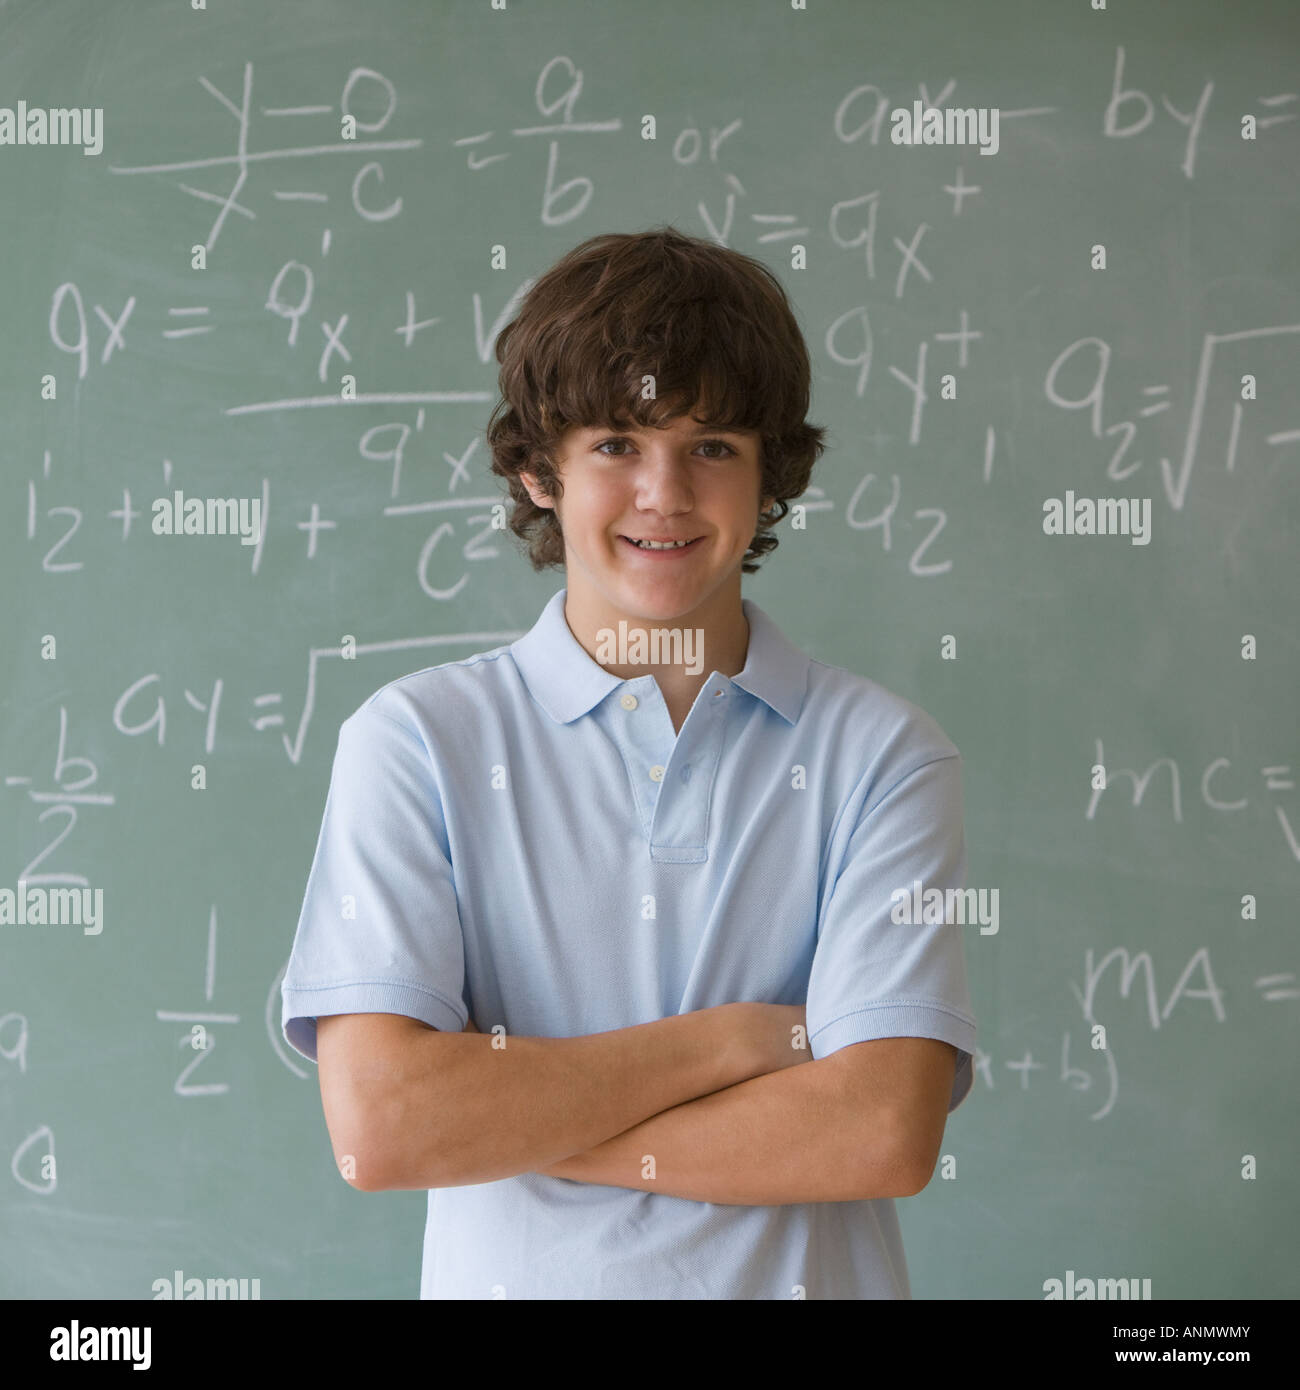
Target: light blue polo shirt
527 841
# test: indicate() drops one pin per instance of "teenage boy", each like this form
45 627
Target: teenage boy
600 943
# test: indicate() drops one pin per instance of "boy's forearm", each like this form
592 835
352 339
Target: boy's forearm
776 1139
474 1108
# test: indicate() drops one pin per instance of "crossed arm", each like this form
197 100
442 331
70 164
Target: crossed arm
865 1122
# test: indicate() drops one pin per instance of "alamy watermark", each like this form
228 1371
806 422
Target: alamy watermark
72 1342
656 646
1072 1288
59 125
937 907
1100 516
179 515
53 907
179 1287
953 125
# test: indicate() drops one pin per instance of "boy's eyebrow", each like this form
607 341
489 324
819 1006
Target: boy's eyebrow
696 430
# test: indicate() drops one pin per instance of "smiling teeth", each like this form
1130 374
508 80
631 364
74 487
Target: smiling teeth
660 545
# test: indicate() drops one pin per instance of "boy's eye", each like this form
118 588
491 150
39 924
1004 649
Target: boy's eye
704 443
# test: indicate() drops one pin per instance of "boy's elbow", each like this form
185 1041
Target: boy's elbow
368 1114
919 1182
920 1169
386 1150
363 1160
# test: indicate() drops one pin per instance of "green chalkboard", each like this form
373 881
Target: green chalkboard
1106 308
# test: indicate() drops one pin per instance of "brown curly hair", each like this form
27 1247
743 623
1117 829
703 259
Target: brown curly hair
712 326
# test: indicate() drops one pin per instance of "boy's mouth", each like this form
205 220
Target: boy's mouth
657 550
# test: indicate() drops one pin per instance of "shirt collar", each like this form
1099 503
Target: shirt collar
567 682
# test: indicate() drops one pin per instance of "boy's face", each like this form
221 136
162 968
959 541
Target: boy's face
682 482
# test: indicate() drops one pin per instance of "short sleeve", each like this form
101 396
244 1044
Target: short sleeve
877 977
379 930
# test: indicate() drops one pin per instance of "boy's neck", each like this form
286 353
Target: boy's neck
714 637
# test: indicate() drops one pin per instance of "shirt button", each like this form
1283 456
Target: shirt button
656 773
628 702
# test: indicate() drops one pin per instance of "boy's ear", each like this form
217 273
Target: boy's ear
539 497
